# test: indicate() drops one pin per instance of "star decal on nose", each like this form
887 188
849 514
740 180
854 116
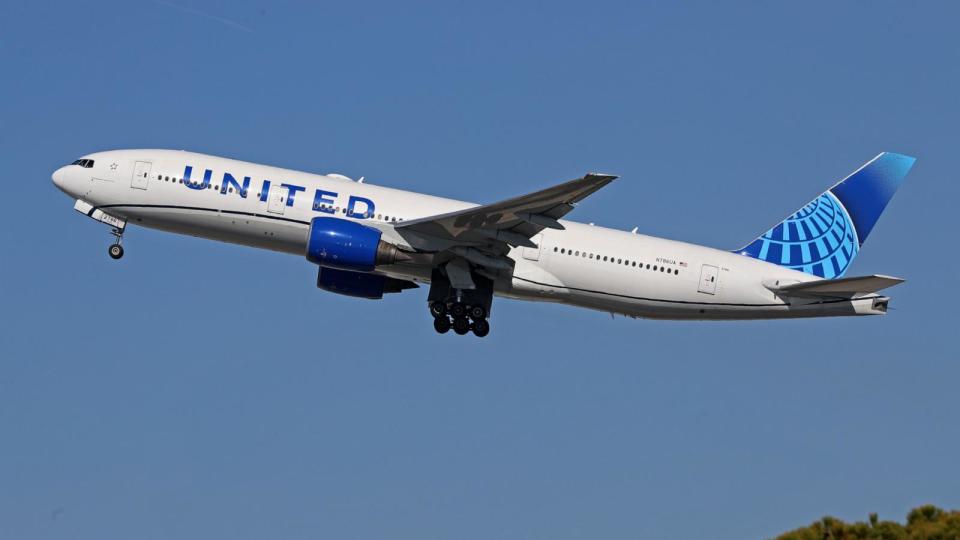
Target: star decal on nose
113 166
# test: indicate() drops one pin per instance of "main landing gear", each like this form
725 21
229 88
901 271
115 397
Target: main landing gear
460 310
116 249
460 317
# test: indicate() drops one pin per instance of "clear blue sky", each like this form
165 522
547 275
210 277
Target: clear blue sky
203 390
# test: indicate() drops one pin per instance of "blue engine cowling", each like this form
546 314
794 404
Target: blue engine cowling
359 284
343 244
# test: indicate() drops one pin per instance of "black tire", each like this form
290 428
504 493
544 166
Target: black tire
115 251
481 327
438 309
477 313
441 325
461 325
458 309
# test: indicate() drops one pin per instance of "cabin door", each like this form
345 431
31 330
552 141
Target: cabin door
276 199
141 175
708 279
533 254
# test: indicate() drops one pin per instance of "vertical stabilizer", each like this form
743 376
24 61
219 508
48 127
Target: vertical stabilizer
824 237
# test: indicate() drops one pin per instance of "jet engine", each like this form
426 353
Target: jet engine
360 284
347 245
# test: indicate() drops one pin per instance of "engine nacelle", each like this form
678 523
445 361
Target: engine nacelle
359 284
343 244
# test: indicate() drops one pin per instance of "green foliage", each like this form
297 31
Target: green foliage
923 523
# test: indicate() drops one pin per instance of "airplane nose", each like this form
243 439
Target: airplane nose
59 176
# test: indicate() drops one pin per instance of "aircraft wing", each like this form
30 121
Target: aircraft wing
513 221
839 288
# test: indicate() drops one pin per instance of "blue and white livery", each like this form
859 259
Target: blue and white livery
823 237
367 240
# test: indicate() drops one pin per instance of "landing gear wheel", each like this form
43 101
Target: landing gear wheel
458 309
438 309
481 327
477 313
461 325
115 251
441 324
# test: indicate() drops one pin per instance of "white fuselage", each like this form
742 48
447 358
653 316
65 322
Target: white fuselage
583 265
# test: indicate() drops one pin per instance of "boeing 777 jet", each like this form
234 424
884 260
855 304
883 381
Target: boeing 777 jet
367 240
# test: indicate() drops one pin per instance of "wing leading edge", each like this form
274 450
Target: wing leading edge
513 221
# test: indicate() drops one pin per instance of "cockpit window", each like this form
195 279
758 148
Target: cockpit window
85 163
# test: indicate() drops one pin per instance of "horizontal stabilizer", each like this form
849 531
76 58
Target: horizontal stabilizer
842 288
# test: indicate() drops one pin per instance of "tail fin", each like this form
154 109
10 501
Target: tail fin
823 237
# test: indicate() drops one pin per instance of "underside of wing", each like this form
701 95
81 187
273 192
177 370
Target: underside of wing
838 288
513 221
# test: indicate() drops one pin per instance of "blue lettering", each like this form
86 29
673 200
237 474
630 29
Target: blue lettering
291 192
367 212
188 171
265 191
229 180
323 203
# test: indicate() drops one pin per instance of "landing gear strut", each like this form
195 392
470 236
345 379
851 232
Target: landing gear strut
461 310
116 249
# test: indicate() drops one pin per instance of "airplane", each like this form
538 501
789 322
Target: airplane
368 240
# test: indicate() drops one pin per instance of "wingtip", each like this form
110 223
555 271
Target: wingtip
898 280
602 176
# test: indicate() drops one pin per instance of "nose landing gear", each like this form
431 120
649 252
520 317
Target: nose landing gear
116 249
117 225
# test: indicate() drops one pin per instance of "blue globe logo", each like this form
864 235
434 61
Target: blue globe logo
819 239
